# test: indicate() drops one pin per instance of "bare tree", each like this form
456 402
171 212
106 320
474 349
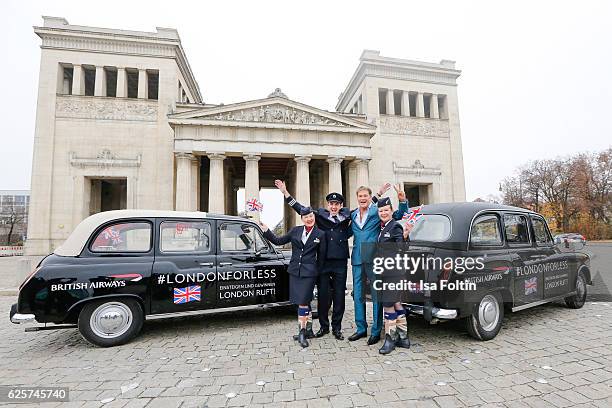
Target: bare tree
12 216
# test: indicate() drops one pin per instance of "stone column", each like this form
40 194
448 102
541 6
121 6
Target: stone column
100 87
143 89
302 180
121 83
335 174
390 102
363 174
183 181
433 107
216 185
78 80
360 105
251 179
420 108
405 103
195 183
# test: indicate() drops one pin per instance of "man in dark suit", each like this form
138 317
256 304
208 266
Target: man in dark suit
335 220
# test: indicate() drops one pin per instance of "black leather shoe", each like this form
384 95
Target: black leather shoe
373 340
302 338
338 334
357 336
322 332
309 335
388 346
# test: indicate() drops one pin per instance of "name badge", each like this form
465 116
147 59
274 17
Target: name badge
387 235
316 240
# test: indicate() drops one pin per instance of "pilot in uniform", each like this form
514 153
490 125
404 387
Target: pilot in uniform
391 231
308 248
335 220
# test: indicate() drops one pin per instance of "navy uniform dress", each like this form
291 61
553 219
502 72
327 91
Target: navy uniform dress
306 260
332 278
390 233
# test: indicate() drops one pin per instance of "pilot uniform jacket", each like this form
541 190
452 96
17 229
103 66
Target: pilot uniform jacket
306 261
336 232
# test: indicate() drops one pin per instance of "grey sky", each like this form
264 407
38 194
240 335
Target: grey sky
536 83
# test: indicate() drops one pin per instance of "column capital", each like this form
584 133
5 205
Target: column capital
334 159
252 157
362 159
303 159
216 156
184 155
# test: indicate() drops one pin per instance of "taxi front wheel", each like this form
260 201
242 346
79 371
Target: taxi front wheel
486 321
110 322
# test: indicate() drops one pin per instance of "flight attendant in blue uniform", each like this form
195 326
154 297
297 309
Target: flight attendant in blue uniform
335 220
391 231
366 227
308 249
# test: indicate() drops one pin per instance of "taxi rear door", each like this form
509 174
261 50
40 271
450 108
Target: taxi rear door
184 272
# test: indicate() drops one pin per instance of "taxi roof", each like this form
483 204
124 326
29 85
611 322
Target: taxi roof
75 243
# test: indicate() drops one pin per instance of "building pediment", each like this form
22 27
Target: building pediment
276 111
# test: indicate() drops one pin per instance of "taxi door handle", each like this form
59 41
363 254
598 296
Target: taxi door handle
225 263
209 264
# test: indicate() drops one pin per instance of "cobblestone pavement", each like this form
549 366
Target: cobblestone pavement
549 356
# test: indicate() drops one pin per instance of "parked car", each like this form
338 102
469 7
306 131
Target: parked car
118 268
522 266
571 237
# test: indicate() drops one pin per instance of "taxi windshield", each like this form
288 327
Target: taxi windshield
432 228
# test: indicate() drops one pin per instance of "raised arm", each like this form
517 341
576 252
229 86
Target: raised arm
402 208
297 207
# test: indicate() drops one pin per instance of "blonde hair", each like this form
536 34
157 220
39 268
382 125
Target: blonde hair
364 188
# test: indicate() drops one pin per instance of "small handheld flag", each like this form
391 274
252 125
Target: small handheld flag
253 204
413 215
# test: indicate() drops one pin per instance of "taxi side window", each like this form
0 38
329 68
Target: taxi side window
540 231
184 236
486 231
239 237
123 237
515 227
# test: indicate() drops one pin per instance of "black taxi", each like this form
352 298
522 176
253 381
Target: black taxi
118 268
492 258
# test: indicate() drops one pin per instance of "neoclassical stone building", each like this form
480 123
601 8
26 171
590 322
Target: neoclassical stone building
121 123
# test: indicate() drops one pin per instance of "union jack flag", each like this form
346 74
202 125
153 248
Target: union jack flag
113 235
531 285
254 205
413 216
188 294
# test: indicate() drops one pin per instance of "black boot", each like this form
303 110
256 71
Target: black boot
302 338
402 332
310 334
390 337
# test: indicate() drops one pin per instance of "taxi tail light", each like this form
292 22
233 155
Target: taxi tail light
445 273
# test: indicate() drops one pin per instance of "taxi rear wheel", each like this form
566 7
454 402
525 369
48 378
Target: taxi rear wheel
110 322
577 301
486 321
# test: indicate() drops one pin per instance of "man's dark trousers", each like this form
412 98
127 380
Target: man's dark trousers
331 286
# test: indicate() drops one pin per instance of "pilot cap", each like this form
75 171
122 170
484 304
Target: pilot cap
383 202
306 211
335 197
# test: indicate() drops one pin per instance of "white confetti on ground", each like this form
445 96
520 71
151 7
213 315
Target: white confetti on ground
308 362
290 371
546 368
260 382
441 383
352 383
107 400
542 381
465 361
387 362
371 372
206 369
230 394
